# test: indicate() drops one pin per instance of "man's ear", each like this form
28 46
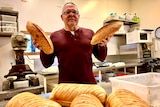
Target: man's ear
61 17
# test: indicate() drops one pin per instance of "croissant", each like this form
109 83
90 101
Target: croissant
86 100
125 98
27 99
64 93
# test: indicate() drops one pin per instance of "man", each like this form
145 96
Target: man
73 49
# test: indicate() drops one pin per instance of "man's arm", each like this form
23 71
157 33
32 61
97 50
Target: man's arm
100 50
47 59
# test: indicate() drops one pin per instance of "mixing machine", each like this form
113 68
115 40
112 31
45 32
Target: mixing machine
20 75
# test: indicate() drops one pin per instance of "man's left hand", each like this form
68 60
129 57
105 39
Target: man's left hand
104 42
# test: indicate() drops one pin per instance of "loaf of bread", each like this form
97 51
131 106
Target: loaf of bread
64 93
40 37
125 98
86 100
27 99
106 31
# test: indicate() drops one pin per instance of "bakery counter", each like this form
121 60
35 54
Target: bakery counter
5 95
47 78
50 79
115 67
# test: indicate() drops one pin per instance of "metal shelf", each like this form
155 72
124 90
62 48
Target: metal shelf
126 22
5 34
11 13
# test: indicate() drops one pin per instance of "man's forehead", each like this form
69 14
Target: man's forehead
70 6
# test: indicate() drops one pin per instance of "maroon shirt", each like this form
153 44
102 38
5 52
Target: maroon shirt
74 55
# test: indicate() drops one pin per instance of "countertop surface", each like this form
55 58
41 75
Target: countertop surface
116 66
104 68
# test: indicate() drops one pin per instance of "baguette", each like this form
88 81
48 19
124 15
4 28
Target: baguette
40 37
27 99
105 32
64 93
86 100
125 98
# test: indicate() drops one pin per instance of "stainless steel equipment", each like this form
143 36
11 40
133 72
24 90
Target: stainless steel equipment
141 51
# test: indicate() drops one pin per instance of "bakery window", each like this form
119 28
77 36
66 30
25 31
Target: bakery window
31 49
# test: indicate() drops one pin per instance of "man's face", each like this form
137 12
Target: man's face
70 15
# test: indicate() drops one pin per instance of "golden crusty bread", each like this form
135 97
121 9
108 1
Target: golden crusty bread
86 100
105 32
64 93
125 98
27 99
40 37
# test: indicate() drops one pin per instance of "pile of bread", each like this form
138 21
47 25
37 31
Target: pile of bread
78 95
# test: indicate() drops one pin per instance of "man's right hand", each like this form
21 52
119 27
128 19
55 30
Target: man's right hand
36 45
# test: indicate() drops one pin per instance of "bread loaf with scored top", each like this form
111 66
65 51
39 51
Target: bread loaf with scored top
105 32
27 99
38 34
64 93
86 100
125 98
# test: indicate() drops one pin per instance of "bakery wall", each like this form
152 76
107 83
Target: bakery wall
46 13
150 18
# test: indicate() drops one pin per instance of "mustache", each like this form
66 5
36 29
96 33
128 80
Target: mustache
71 17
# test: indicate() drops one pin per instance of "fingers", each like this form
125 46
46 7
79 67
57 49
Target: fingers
36 45
108 39
104 42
